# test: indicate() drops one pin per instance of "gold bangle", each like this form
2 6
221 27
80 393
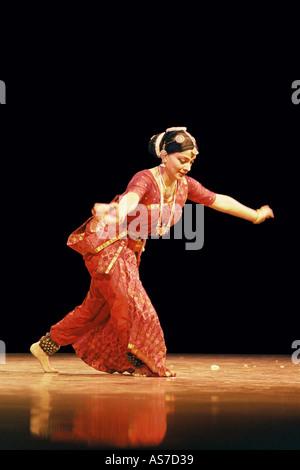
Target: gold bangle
257 220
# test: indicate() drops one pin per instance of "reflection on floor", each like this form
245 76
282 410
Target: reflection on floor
215 402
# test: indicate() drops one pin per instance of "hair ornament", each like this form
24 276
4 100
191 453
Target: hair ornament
174 129
158 142
180 139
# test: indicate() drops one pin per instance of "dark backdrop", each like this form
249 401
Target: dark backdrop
75 133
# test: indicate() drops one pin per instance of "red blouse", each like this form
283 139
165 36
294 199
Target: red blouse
91 239
145 185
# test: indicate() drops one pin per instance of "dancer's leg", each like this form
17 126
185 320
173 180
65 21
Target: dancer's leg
91 313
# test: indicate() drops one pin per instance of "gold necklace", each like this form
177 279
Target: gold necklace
167 192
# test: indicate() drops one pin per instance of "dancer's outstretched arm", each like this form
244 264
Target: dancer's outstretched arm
231 206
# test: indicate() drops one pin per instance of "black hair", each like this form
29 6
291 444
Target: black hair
171 141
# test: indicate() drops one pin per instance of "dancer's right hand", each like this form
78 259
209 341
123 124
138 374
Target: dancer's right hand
109 212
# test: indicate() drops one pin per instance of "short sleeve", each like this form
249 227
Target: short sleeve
197 192
139 184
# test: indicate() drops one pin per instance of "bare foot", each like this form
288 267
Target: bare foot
41 356
143 371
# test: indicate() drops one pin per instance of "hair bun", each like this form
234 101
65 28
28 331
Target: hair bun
154 144
151 145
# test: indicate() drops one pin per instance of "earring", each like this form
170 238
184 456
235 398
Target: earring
163 156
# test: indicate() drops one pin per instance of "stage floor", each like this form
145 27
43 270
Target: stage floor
245 402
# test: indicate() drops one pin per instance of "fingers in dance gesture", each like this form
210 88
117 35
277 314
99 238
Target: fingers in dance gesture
265 212
108 212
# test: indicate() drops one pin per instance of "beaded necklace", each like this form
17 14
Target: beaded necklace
162 229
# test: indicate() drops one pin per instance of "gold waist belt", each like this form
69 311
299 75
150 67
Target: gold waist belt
110 241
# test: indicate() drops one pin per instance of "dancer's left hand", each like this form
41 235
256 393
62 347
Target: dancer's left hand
266 213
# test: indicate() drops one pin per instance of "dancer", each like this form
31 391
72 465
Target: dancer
116 329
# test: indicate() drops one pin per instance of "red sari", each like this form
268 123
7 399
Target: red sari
117 315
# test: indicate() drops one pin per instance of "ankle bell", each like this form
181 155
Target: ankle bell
48 345
134 361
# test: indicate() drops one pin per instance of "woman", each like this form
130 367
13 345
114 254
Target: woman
117 329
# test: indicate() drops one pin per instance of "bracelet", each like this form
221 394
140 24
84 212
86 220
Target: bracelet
259 215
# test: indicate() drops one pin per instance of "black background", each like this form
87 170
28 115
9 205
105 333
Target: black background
75 129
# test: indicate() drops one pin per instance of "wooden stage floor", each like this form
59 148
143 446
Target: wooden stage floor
247 402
